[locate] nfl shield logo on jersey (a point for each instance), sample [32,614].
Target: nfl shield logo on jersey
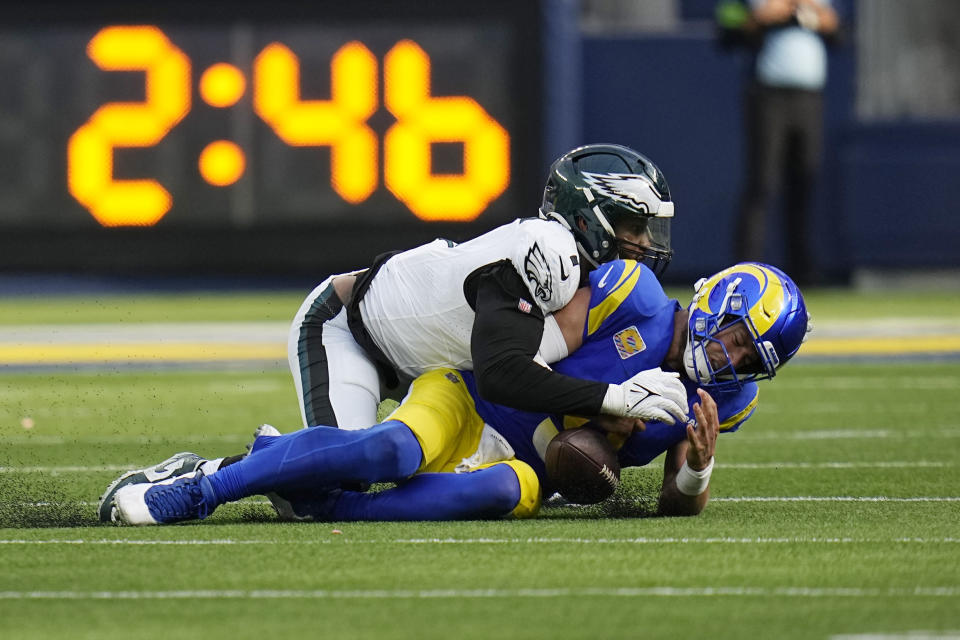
[629,343]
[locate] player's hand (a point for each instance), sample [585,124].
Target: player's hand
[620,425]
[653,394]
[702,439]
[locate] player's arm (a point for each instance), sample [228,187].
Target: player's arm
[506,336]
[818,16]
[688,464]
[772,13]
[507,332]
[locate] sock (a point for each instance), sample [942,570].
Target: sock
[322,457]
[488,493]
[211,466]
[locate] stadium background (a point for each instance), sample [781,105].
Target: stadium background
[833,513]
[552,73]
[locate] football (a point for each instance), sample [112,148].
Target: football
[582,465]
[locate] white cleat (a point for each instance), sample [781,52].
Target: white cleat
[173,467]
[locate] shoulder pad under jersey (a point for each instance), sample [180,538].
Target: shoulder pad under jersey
[545,255]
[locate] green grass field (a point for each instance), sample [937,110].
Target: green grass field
[835,512]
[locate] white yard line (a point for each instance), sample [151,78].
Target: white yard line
[836,499]
[901,635]
[904,464]
[850,434]
[340,539]
[438,594]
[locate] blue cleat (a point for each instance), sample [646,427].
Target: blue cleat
[173,467]
[189,497]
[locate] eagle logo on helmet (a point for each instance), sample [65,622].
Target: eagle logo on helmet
[632,189]
[537,270]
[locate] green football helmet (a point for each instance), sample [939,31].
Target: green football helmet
[593,188]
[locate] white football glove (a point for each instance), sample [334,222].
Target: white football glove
[653,394]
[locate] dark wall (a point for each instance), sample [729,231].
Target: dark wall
[886,196]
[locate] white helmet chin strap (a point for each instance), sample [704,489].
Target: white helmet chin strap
[696,367]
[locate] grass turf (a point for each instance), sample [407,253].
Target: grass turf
[834,511]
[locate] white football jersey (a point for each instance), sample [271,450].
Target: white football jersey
[415,309]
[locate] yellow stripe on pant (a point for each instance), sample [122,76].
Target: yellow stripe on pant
[440,411]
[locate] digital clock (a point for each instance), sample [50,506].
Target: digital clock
[136,129]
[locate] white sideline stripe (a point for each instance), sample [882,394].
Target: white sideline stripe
[847,434]
[470,541]
[836,499]
[904,635]
[830,465]
[436,594]
[671,540]
[727,465]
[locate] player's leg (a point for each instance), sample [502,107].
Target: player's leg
[509,488]
[440,412]
[337,384]
[435,423]
[316,458]
[441,425]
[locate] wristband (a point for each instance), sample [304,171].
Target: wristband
[614,401]
[693,483]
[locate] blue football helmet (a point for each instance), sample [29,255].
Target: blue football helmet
[762,298]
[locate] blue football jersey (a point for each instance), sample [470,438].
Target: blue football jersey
[629,329]
[629,325]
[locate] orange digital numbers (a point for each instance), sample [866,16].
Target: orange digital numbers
[341,123]
[423,119]
[128,124]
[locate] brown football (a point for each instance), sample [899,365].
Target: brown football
[582,465]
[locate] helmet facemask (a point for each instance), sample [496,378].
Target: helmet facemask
[705,329]
[654,250]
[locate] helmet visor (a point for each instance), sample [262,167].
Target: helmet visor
[647,242]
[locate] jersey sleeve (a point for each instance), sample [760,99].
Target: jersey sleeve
[545,255]
[506,335]
[735,408]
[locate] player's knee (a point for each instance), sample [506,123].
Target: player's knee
[528,505]
[515,492]
[391,450]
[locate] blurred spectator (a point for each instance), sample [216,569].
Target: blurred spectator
[783,116]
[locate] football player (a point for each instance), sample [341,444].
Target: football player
[485,304]
[457,456]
